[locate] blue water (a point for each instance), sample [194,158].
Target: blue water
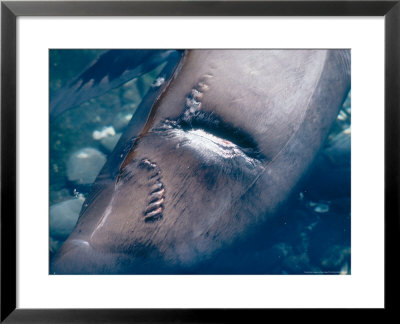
[311,235]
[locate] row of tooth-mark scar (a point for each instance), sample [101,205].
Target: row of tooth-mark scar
[193,100]
[155,206]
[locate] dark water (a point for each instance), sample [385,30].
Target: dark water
[311,234]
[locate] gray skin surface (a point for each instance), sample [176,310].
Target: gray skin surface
[222,150]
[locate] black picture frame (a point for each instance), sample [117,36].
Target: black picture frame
[10,10]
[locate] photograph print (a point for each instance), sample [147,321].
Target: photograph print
[192,162]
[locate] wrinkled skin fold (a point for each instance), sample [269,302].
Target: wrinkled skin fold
[220,152]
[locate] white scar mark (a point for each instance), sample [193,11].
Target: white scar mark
[207,76]
[103,219]
[193,100]
[206,143]
[80,243]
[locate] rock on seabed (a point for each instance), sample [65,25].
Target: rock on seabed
[63,217]
[84,165]
[109,142]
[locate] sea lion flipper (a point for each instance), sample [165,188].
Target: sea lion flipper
[107,72]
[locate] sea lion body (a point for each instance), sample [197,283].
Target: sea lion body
[223,148]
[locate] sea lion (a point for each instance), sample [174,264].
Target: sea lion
[219,153]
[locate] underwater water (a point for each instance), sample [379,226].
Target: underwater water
[312,233]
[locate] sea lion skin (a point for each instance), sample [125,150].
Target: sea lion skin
[225,146]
